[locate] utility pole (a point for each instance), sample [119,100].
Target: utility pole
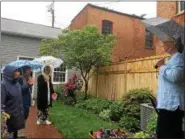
[52,11]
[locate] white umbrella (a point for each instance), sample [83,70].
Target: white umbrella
[50,61]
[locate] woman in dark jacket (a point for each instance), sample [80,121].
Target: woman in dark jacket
[11,99]
[26,82]
[44,95]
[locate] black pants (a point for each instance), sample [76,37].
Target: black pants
[15,134]
[26,112]
[169,124]
[42,115]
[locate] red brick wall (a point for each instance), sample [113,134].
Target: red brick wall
[166,9]
[80,21]
[159,50]
[170,10]
[130,33]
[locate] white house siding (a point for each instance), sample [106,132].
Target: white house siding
[14,46]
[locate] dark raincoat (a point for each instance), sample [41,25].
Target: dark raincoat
[11,100]
[42,93]
[26,96]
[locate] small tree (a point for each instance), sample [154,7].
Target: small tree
[85,49]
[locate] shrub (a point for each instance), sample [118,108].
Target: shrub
[94,105]
[103,104]
[152,124]
[59,90]
[105,114]
[133,99]
[116,111]
[129,123]
[81,104]
[80,96]
[68,100]
[141,135]
[131,107]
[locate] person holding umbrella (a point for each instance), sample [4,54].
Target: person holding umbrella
[26,82]
[11,99]
[171,79]
[171,89]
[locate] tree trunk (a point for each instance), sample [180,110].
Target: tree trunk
[86,88]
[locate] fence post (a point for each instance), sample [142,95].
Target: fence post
[125,73]
[97,82]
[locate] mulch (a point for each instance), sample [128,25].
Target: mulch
[33,130]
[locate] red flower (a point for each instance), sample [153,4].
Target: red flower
[70,83]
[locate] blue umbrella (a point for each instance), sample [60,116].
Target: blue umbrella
[34,65]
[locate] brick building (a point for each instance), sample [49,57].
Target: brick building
[170,10]
[132,40]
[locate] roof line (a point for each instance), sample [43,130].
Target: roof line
[26,35]
[29,23]
[108,10]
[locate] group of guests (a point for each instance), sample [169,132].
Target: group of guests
[16,93]
[16,89]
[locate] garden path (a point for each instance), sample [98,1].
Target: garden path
[39,131]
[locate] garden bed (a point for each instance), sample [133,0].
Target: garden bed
[124,114]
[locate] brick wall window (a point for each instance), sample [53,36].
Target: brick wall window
[107,27]
[181,5]
[148,40]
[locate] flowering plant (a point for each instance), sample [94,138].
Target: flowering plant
[74,83]
[71,83]
[4,118]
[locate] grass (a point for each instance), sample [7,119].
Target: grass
[74,122]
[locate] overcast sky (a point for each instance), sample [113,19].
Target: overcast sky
[36,12]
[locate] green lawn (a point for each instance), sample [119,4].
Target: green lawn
[76,123]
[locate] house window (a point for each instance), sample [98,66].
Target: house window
[181,5]
[148,39]
[59,74]
[107,27]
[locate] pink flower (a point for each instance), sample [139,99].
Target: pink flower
[54,96]
[70,83]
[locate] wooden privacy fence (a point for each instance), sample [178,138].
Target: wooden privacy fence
[113,81]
